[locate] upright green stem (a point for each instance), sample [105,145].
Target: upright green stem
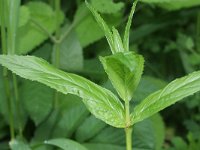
[128,132]
[9,106]
[198,32]
[5,71]
[13,16]
[16,93]
[57,9]
[12,25]
[128,129]
[57,46]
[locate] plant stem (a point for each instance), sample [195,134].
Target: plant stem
[57,47]
[9,106]
[60,38]
[53,39]
[5,71]
[16,93]
[128,129]
[14,7]
[198,32]
[128,132]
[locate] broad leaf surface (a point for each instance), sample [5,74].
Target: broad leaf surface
[37,104]
[108,136]
[159,130]
[103,6]
[101,102]
[147,85]
[99,146]
[42,14]
[174,4]
[124,70]
[24,15]
[65,144]
[82,30]
[173,92]
[84,133]
[103,26]
[71,56]
[72,115]
[83,33]
[144,136]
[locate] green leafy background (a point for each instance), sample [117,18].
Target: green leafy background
[166,33]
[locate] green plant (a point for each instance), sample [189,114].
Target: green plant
[124,69]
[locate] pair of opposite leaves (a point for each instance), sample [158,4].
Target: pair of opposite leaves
[124,69]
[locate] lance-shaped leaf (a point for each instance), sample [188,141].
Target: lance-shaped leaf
[103,26]
[117,41]
[173,92]
[124,70]
[101,102]
[128,26]
[65,144]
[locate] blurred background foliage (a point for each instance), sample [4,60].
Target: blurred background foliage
[165,32]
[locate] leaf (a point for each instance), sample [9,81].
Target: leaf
[144,135]
[128,26]
[147,85]
[110,135]
[71,56]
[103,26]
[65,144]
[71,116]
[103,6]
[124,70]
[4,105]
[98,146]
[83,33]
[62,121]
[19,145]
[24,15]
[37,104]
[179,143]
[101,102]
[117,41]
[159,130]
[173,92]
[43,15]
[82,30]
[45,130]
[84,133]
[174,4]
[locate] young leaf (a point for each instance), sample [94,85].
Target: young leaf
[128,26]
[124,70]
[101,102]
[103,26]
[117,41]
[173,92]
[65,144]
